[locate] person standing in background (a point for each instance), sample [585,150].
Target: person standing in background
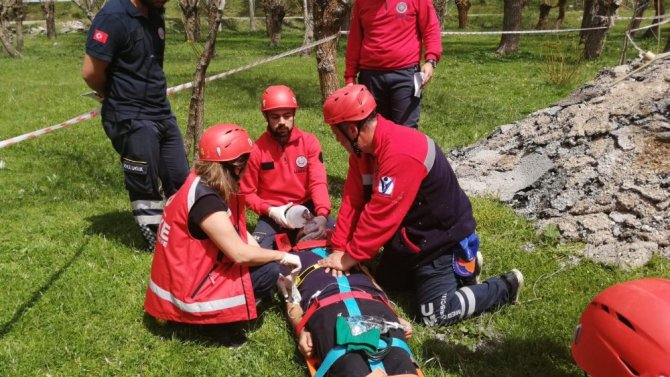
[384,46]
[123,64]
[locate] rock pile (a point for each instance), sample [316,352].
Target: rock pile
[596,165]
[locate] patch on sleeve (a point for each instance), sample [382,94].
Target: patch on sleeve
[100,36]
[386,185]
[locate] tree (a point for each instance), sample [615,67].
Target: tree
[655,31]
[19,16]
[252,15]
[545,9]
[6,14]
[440,10]
[597,13]
[275,10]
[90,7]
[329,15]
[638,11]
[509,43]
[49,10]
[196,108]
[190,10]
[307,6]
[463,7]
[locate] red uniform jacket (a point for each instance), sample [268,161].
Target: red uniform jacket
[404,196]
[389,34]
[191,280]
[276,175]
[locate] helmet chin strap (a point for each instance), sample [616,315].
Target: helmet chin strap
[353,142]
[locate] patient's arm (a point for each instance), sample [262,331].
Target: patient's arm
[294,313]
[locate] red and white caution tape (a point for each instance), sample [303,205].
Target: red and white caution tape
[30,135]
[172,90]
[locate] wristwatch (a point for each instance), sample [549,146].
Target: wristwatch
[432,62]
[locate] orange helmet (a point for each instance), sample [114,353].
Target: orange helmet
[625,331]
[349,104]
[278,97]
[224,142]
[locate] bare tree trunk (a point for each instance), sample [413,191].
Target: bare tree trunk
[49,10]
[597,13]
[463,7]
[6,7]
[252,15]
[275,10]
[329,15]
[562,6]
[440,10]
[90,7]
[655,31]
[19,16]
[196,110]
[545,8]
[307,6]
[509,43]
[640,7]
[191,13]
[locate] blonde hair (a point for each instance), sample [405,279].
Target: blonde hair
[214,175]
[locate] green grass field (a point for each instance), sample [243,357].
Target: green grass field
[74,275]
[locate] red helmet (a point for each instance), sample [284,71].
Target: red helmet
[224,142]
[349,104]
[625,331]
[278,97]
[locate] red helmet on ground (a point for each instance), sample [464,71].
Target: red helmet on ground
[278,97]
[224,142]
[349,104]
[625,331]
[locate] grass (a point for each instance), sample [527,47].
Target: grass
[74,276]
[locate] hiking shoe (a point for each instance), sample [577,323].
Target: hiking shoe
[514,281]
[474,279]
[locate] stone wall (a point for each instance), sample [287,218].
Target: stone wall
[596,165]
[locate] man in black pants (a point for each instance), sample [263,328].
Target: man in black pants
[124,66]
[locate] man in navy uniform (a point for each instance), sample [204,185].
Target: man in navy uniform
[123,64]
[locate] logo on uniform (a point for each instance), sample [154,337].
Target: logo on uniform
[301,161]
[401,7]
[161,33]
[100,36]
[386,185]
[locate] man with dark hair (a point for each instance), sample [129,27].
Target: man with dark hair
[123,64]
[285,170]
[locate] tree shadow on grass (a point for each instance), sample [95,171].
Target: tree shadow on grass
[5,328]
[119,226]
[513,357]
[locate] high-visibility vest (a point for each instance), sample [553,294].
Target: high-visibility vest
[191,280]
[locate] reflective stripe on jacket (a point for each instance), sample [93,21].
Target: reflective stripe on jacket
[191,280]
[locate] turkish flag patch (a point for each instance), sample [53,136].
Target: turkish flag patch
[100,36]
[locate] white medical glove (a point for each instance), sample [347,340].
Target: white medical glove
[292,261]
[278,214]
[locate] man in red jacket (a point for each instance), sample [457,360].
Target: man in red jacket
[384,47]
[285,169]
[402,194]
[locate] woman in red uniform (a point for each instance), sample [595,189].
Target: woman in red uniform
[206,268]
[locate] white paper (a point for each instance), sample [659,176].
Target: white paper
[418,82]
